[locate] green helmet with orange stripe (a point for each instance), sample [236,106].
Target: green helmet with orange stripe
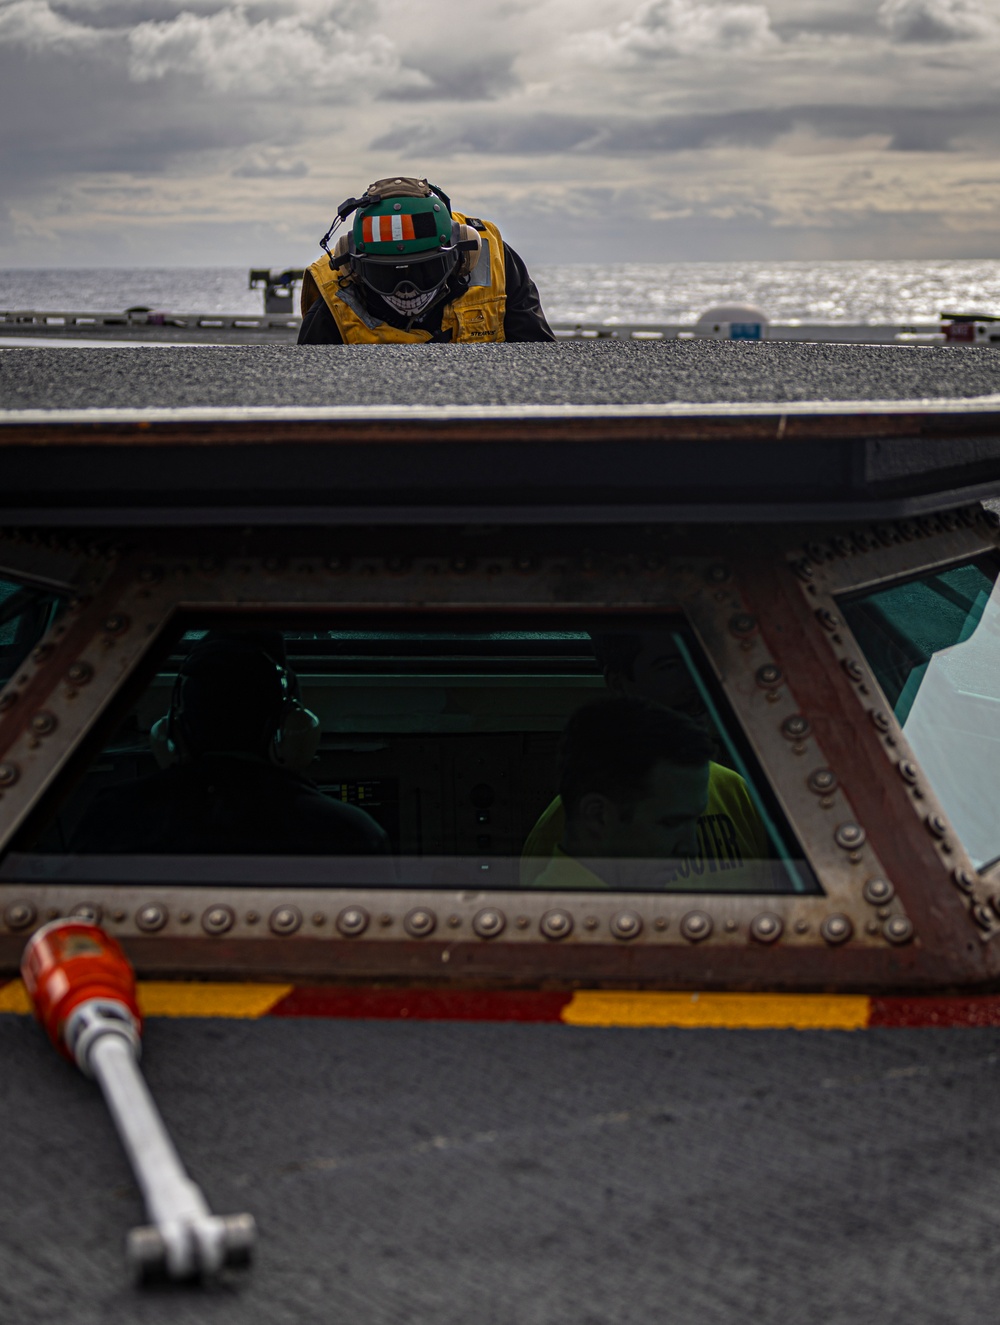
[404,244]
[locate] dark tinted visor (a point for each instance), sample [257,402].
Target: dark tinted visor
[385,277]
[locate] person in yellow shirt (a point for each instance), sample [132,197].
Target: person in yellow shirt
[633,780]
[730,834]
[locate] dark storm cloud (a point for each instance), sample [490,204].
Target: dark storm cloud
[112,15]
[932,22]
[906,129]
[457,76]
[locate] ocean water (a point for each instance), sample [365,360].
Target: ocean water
[624,292]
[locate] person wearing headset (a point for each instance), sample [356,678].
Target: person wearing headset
[234,750]
[410,271]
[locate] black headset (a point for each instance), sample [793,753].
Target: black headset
[291,736]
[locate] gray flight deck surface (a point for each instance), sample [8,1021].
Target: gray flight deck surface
[582,431]
[569,372]
[482,1174]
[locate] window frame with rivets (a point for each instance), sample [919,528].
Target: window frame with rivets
[753,613]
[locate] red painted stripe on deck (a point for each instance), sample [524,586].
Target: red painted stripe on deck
[928,1010]
[423,1004]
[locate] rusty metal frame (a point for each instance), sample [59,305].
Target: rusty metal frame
[890,917]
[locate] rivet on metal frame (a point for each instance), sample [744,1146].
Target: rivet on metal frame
[696,925]
[88,912]
[285,919]
[626,925]
[742,623]
[836,929]
[9,774]
[822,781]
[79,673]
[352,921]
[842,546]
[936,826]
[556,924]
[218,919]
[880,721]
[908,772]
[717,574]
[898,929]
[963,879]
[460,564]
[8,701]
[590,922]
[766,927]
[982,916]
[336,563]
[795,727]
[150,918]
[769,675]
[853,669]
[44,723]
[817,552]
[116,624]
[878,891]
[42,652]
[19,915]
[827,619]
[489,922]
[420,922]
[802,569]
[454,922]
[850,836]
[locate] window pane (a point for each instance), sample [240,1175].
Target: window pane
[25,615]
[433,758]
[934,644]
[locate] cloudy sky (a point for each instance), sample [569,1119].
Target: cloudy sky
[191,132]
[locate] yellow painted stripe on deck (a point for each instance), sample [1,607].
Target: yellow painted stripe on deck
[177,998]
[846,1012]
[14,998]
[204,998]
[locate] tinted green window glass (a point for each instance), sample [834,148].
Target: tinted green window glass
[25,615]
[441,748]
[934,645]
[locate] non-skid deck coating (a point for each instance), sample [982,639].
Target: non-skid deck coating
[578,373]
[475,1174]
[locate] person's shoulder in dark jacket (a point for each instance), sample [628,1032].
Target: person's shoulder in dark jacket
[229,804]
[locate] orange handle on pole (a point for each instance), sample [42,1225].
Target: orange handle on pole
[70,962]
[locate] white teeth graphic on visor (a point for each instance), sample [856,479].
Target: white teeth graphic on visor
[410,305]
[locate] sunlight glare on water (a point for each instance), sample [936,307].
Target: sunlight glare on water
[896,292]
